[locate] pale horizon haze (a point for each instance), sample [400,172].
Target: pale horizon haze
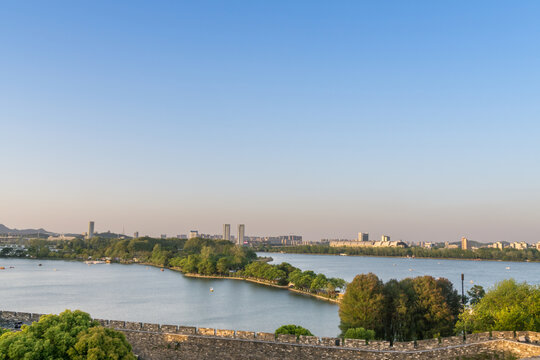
[419,120]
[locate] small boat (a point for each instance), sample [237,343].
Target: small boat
[508,268]
[211,289]
[472,282]
[162,269]
[38,264]
[2,268]
[410,269]
[343,254]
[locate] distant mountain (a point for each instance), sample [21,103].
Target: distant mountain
[4,230]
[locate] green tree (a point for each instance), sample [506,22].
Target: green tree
[293,330]
[363,304]
[476,293]
[433,315]
[99,343]
[57,336]
[222,266]
[508,306]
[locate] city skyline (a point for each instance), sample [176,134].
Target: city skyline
[419,120]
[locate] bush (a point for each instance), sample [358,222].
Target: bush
[359,333]
[293,330]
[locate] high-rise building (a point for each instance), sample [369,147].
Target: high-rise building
[464,243]
[193,234]
[363,236]
[227,232]
[241,232]
[90,230]
[136,234]
[385,238]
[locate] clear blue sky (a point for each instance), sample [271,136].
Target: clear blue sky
[417,119]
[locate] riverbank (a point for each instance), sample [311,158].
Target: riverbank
[256,281]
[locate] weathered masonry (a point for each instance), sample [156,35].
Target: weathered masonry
[160,342]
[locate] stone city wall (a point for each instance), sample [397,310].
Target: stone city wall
[156,342]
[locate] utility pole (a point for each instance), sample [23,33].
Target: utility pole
[463,306]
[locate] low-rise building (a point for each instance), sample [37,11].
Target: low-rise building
[355,243]
[519,245]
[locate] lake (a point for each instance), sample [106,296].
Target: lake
[484,273]
[146,294]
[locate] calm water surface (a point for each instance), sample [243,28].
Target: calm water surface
[485,273]
[141,293]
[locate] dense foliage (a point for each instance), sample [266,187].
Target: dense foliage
[507,254]
[286,274]
[410,309]
[508,306]
[359,333]
[70,335]
[293,330]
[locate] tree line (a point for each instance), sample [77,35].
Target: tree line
[425,308]
[507,254]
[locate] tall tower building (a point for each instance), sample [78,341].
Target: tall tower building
[241,231]
[363,236]
[136,234]
[385,238]
[464,243]
[227,232]
[90,230]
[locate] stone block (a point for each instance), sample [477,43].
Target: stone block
[378,345]
[225,333]
[407,345]
[187,330]
[35,317]
[245,335]
[478,337]
[117,324]
[150,327]
[523,339]
[206,331]
[308,340]
[172,329]
[286,338]
[266,336]
[329,341]
[354,343]
[9,315]
[502,335]
[451,340]
[427,344]
[132,325]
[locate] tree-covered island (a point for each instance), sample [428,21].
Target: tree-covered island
[201,257]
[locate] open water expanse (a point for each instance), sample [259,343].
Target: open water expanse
[485,273]
[142,293]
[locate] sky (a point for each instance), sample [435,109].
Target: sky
[415,119]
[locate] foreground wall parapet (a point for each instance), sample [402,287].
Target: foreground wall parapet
[155,341]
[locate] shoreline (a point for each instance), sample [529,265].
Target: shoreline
[400,257]
[261,282]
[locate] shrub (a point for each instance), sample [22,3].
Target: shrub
[293,330]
